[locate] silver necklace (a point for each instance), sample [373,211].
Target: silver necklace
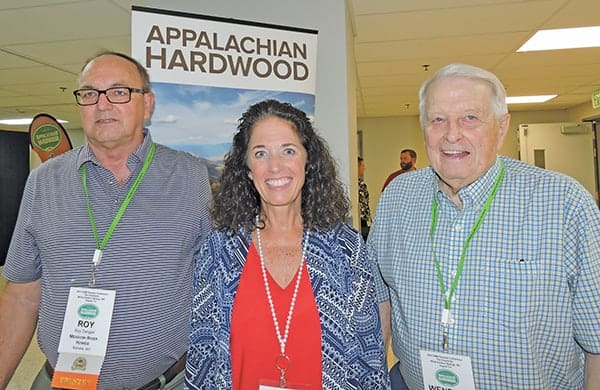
[282,361]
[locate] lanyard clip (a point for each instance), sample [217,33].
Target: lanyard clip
[447,318]
[97,257]
[445,343]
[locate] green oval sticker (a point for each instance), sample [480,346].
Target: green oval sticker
[446,377]
[88,311]
[47,137]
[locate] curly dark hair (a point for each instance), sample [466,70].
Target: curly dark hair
[237,202]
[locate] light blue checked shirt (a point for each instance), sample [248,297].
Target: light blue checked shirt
[528,302]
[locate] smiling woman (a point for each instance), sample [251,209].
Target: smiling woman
[276,160]
[267,279]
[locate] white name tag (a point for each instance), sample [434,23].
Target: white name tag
[443,370]
[84,338]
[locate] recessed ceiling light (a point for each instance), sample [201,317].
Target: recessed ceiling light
[528,99]
[22,121]
[563,38]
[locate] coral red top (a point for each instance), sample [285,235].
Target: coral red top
[254,344]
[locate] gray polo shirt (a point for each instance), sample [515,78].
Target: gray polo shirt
[148,260]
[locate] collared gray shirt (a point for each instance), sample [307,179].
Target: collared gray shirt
[148,260]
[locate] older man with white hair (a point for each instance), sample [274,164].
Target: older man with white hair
[495,284]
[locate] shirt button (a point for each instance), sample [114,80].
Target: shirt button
[458,228]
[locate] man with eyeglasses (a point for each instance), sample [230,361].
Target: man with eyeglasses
[101,256]
[495,285]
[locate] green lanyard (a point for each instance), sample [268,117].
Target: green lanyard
[101,245]
[434,216]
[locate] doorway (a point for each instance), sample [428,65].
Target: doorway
[568,148]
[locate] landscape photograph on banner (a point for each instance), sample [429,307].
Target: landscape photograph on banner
[206,71]
[202,120]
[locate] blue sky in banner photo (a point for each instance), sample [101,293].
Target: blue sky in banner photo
[201,120]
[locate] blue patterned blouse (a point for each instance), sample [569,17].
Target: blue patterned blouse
[352,348]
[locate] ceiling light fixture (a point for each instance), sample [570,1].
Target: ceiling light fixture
[563,38]
[528,99]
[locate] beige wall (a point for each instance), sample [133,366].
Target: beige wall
[385,137]
[511,143]
[583,111]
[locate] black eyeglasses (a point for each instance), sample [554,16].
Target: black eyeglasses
[115,95]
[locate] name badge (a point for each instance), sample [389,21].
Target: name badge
[443,370]
[84,338]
